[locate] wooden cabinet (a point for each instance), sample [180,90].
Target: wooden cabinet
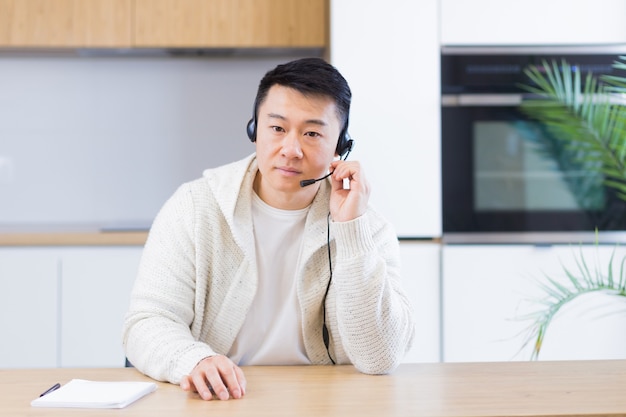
[163,23]
[230,23]
[65,23]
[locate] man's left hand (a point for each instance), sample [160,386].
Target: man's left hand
[346,205]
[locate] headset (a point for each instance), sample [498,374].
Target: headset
[344,144]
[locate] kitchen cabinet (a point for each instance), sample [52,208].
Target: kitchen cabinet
[532,22]
[64,307]
[230,23]
[97,283]
[389,54]
[163,23]
[65,23]
[420,273]
[488,289]
[29,305]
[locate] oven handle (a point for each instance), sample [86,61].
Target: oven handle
[469,100]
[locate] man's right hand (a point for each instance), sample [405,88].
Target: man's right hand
[217,373]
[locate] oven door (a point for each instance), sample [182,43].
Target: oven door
[502,172]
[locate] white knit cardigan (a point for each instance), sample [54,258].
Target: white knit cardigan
[198,276]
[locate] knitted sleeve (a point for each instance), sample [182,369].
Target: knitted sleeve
[156,333]
[374,318]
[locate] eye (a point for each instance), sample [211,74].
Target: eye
[312,134]
[277,129]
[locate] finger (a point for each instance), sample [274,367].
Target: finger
[229,377]
[199,381]
[242,380]
[336,184]
[186,384]
[338,177]
[353,172]
[215,381]
[346,170]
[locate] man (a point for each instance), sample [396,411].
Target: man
[247,266]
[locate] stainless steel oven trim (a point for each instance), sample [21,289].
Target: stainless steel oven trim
[505,100]
[460,100]
[541,238]
[618,48]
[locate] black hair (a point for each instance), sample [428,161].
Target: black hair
[311,77]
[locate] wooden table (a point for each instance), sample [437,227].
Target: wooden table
[577,388]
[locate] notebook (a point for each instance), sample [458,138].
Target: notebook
[80,393]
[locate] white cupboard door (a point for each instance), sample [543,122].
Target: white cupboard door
[96,292]
[481,297]
[420,274]
[532,22]
[389,54]
[28,308]
[489,289]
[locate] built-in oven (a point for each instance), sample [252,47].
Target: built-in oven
[496,183]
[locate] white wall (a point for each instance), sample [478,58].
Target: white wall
[104,140]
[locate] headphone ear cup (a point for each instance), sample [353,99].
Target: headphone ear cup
[251,130]
[345,144]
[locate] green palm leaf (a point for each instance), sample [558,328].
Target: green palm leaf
[583,281]
[586,117]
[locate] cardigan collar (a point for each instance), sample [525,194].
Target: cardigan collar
[233,184]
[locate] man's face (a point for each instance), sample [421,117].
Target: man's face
[296,140]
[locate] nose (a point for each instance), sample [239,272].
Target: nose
[291,146]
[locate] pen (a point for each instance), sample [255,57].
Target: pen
[52,388]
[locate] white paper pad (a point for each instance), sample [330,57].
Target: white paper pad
[80,393]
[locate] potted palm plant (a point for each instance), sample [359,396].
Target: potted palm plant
[586,118]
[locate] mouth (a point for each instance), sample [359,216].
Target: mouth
[288,171]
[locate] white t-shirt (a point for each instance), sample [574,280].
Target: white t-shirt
[272,331]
